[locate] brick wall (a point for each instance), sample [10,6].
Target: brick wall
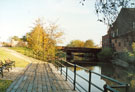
[122,34]
[124,42]
[105,41]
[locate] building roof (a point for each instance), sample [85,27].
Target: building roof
[124,21]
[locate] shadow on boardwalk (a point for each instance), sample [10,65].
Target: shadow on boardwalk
[40,77]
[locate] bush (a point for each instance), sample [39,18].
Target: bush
[125,56]
[60,54]
[121,55]
[106,54]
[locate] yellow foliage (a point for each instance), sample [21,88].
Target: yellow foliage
[133,83]
[43,40]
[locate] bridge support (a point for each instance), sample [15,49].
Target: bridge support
[95,55]
[69,56]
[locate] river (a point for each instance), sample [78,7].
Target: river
[118,73]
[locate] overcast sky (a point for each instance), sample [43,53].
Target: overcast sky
[77,21]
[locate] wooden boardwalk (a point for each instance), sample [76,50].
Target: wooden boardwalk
[40,77]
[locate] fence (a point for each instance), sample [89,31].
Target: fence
[106,87]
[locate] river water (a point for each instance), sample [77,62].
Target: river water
[118,73]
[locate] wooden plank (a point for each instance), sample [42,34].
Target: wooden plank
[44,79]
[40,77]
[61,80]
[47,79]
[16,80]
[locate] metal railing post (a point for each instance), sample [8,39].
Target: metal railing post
[61,70]
[105,89]
[127,86]
[66,72]
[2,72]
[89,89]
[74,76]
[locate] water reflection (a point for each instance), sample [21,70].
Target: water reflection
[120,74]
[95,79]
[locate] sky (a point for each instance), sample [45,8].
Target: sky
[77,22]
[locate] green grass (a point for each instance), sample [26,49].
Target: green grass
[26,51]
[23,50]
[4,84]
[18,61]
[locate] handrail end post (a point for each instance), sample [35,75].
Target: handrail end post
[89,89]
[61,69]
[74,76]
[127,87]
[66,72]
[105,88]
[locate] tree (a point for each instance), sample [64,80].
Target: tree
[108,10]
[35,38]
[76,43]
[89,44]
[16,38]
[133,47]
[106,54]
[24,38]
[42,40]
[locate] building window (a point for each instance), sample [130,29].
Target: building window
[117,32]
[119,44]
[133,25]
[112,45]
[113,34]
[115,40]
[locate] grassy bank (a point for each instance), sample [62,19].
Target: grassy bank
[23,50]
[19,62]
[26,51]
[4,84]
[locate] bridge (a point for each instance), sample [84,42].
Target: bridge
[70,50]
[79,49]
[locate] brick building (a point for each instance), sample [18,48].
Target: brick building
[122,34]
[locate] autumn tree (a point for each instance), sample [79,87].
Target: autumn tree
[16,38]
[89,44]
[54,35]
[35,38]
[24,38]
[76,43]
[43,39]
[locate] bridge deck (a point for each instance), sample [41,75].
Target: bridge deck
[40,77]
[79,49]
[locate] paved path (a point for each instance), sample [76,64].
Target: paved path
[40,77]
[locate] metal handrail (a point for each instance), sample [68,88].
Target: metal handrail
[106,87]
[111,79]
